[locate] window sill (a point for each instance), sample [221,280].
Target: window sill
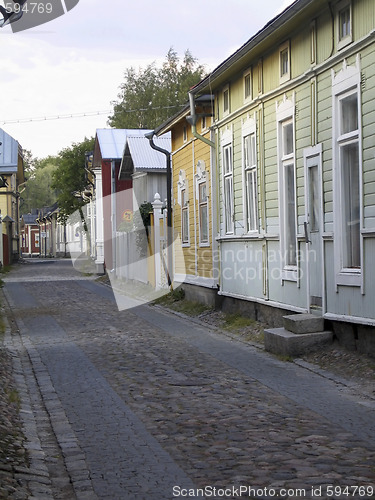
[350,278]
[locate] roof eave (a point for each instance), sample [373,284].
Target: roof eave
[277,22]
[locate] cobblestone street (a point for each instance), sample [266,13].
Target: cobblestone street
[143,404]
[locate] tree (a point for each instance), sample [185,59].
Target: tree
[38,191]
[69,179]
[151,95]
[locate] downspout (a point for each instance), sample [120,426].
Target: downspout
[192,119]
[114,214]
[150,137]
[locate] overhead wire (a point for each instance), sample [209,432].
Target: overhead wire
[83,114]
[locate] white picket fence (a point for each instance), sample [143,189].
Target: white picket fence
[131,264]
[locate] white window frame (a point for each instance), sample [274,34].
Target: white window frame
[201,179]
[249,168]
[226,109]
[227,179]
[285,116]
[343,41]
[183,201]
[284,76]
[345,83]
[247,97]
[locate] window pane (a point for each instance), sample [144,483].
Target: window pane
[228,197]
[284,62]
[288,142]
[251,200]
[203,221]
[185,226]
[314,211]
[202,192]
[227,159]
[351,206]
[344,19]
[247,82]
[349,114]
[184,218]
[290,217]
[226,100]
[203,213]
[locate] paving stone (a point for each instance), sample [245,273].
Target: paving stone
[140,401]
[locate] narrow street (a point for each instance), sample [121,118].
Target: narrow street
[142,404]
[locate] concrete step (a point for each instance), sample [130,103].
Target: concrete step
[303,323]
[286,343]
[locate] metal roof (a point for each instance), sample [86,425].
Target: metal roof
[29,219]
[8,153]
[143,156]
[112,141]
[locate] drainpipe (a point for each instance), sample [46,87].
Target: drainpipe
[150,137]
[192,120]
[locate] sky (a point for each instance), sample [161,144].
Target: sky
[75,64]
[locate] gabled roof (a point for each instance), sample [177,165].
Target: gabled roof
[112,141]
[144,157]
[139,156]
[29,219]
[8,153]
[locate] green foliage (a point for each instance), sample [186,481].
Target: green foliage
[145,211]
[151,95]
[69,179]
[38,191]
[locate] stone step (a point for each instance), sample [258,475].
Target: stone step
[286,343]
[303,323]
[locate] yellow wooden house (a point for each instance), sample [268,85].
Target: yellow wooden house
[193,195]
[11,176]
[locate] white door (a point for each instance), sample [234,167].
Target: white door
[314,227]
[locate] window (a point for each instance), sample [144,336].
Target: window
[347,158]
[203,212]
[247,86]
[250,175]
[226,100]
[344,23]
[202,198]
[284,57]
[228,188]
[348,145]
[313,42]
[183,201]
[287,188]
[289,201]
[184,217]
[204,123]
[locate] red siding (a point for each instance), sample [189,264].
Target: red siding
[123,202]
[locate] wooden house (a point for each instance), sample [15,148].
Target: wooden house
[193,201]
[293,127]
[11,177]
[29,235]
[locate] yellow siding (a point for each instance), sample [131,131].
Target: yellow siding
[194,260]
